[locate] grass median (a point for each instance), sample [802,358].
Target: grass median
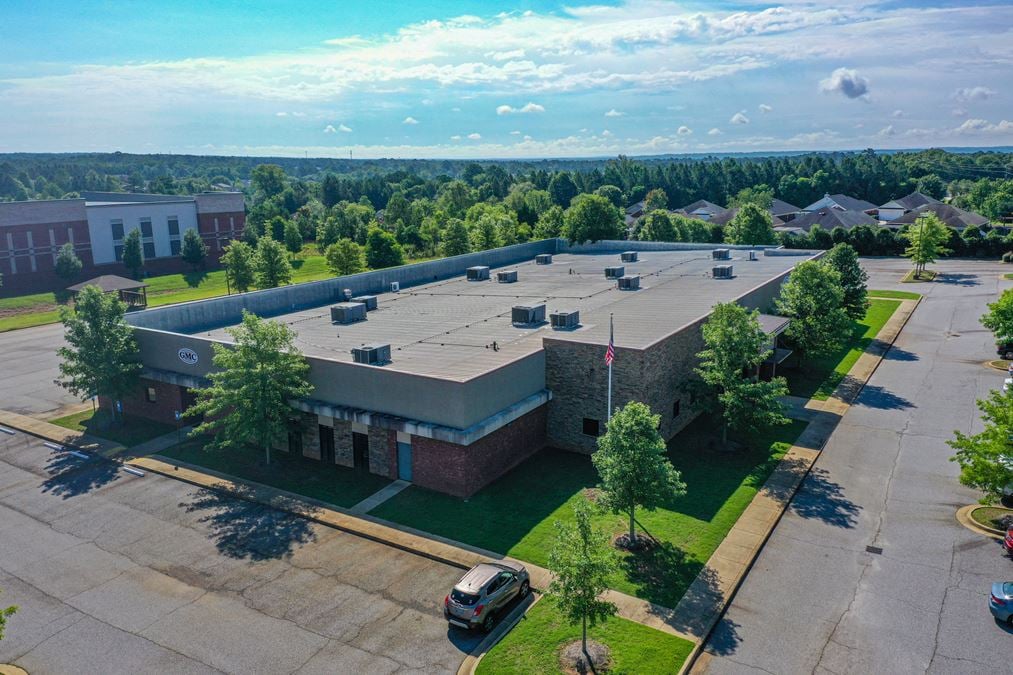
[128,431]
[533,645]
[895,295]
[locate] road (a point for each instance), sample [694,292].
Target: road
[29,366]
[817,600]
[121,574]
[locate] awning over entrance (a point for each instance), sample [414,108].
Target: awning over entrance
[130,291]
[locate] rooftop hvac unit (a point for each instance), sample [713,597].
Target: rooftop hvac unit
[371,355]
[543,259]
[614,272]
[347,294]
[527,314]
[348,312]
[395,287]
[562,319]
[480,273]
[628,256]
[506,276]
[630,282]
[368,300]
[721,254]
[752,255]
[722,271]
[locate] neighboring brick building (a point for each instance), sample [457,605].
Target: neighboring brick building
[471,389]
[32,233]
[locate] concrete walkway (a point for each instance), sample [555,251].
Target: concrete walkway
[57,434]
[379,497]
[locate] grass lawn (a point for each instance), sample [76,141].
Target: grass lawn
[533,646]
[330,483]
[1008,276]
[896,295]
[128,432]
[991,516]
[818,377]
[912,278]
[515,515]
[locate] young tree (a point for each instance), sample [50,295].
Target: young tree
[999,318]
[275,228]
[656,199]
[592,218]
[68,265]
[632,462]
[455,238]
[761,195]
[101,357]
[293,237]
[562,189]
[844,259]
[345,257]
[814,301]
[382,250]
[133,257]
[485,234]
[248,400]
[194,250]
[751,226]
[613,194]
[550,223]
[735,347]
[658,226]
[925,241]
[240,269]
[582,562]
[986,459]
[5,614]
[268,179]
[271,265]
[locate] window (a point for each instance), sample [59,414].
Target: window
[295,441]
[118,250]
[173,226]
[151,395]
[591,427]
[149,250]
[117,227]
[146,228]
[675,409]
[175,246]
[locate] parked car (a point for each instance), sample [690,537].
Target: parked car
[483,592]
[1007,543]
[1001,601]
[1004,350]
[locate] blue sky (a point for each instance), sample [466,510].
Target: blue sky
[520,79]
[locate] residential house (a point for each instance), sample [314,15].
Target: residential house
[950,215]
[841,203]
[895,208]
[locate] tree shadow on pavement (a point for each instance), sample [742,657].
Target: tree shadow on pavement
[725,639]
[896,353]
[70,476]
[822,499]
[247,530]
[958,279]
[876,396]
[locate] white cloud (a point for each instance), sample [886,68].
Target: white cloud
[455,110]
[715,132]
[739,118]
[281,114]
[527,138]
[684,131]
[959,112]
[980,126]
[897,114]
[507,55]
[966,94]
[524,109]
[298,114]
[764,108]
[515,133]
[614,113]
[606,133]
[329,129]
[475,137]
[410,120]
[887,131]
[455,137]
[848,82]
[344,129]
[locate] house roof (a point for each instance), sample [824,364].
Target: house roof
[724,217]
[772,324]
[703,205]
[633,209]
[108,283]
[950,215]
[846,202]
[910,202]
[828,218]
[779,207]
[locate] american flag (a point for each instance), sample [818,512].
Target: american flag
[610,353]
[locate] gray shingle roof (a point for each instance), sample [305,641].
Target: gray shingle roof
[950,215]
[909,202]
[846,202]
[828,218]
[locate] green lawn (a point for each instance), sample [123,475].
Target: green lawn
[896,295]
[991,516]
[128,432]
[912,278]
[533,646]
[330,483]
[515,515]
[1008,276]
[818,377]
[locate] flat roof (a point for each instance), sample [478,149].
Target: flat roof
[448,329]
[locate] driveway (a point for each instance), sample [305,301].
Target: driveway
[30,365]
[115,573]
[868,571]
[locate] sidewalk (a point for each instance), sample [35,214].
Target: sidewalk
[57,434]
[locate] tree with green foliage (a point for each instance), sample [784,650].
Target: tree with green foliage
[133,256]
[751,226]
[632,462]
[240,268]
[345,257]
[854,280]
[582,562]
[658,226]
[6,613]
[251,387]
[986,458]
[293,237]
[735,346]
[275,228]
[329,231]
[550,223]
[484,234]
[656,199]
[101,357]
[592,218]
[613,194]
[562,189]
[382,249]
[455,238]
[268,180]
[68,265]
[761,195]
[931,185]
[814,301]
[271,264]
[194,251]
[999,318]
[925,241]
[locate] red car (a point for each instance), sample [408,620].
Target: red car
[1007,543]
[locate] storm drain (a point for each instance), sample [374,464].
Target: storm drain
[874,549]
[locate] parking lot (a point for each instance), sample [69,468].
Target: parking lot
[30,365]
[116,573]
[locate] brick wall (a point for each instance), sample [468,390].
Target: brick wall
[168,399]
[463,470]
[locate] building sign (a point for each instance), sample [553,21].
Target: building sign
[188,356]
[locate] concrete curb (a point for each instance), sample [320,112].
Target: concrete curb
[964,518]
[11,669]
[470,663]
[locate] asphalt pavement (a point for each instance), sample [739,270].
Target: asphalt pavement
[868,571]
[28,367]
[115,573]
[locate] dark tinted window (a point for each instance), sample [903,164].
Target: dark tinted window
[119,252]
[173,225]
[174,245]
[145,227]
[675,409]
[117,227]
[149,250]
[462,598]
[590,426]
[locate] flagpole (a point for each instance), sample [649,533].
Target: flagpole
[608,416]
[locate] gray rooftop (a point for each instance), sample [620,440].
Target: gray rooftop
[446,329]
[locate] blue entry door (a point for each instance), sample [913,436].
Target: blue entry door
[404,461]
